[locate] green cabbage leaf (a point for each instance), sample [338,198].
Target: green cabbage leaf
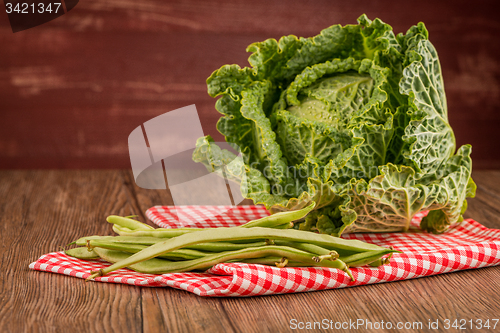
[354,119]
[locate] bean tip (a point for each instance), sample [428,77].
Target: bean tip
[334,255]
[348,272]
[282,263]
[94,274]
[270,242]
[89,247]
[110,218]
[387,260]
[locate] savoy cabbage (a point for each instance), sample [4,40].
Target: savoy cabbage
[354,119]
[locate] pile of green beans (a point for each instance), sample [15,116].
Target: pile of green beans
[268,241]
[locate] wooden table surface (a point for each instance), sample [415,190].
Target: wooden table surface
[73,89]
[42,210]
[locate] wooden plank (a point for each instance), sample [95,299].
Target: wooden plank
[485,207]
[488,185]
[173,310]
[73,89]
[146,198]
[40,211]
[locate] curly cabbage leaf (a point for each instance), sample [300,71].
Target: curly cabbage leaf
[354,119]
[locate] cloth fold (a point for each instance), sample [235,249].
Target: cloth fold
[465,246]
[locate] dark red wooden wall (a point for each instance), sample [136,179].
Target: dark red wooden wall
[73,89]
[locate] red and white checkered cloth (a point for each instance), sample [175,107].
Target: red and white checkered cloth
[204,216]
[465,246]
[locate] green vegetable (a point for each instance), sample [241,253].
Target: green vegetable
[236,233]
[262,241]
[82,253]
[203,248]
[354,119]
[160,266]
[147,241]
[127,222]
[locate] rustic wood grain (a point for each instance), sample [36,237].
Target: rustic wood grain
[485,207]
[173,310]
[73,89]
[41,210]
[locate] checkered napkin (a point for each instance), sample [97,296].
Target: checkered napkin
[465,246]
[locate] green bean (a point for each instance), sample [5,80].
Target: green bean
[278,219]
[159,232]
[365,258]
[128,223]
[121,242]
[311,248]
[162,234]
[230,234]
[240,241]
[224,246]
[288,225]
[81,253]
[129,227]
[156,267]
[270,261]
[319,250]
[83,241]
[169,233]
[211,247]
[134,248]
[116,256]
[119,230]
[120,239]
[381,261]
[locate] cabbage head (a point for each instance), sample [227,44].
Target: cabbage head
[354,119]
